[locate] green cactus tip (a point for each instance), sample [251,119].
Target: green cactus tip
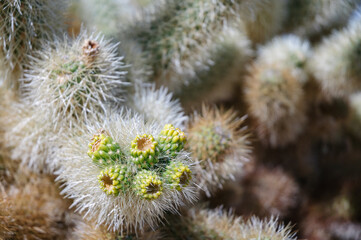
[171,139]
[144,151]
[148,185]
[177,175]
[114,179]
[103,150]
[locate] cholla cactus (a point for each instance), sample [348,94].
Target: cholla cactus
[33,209]
[276,102]
[219,224]
[72,80]
[125,197]
[219,145]
[335,61]
[158,105]
[21,28]
[288,53]
[89,231]
[179,41]
[229,54]
[29,133]
[263,19]
[273,192]
[312,17]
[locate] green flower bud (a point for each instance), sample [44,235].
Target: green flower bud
[171,140]
[177,175]
[148,185]
[114,179]
[103,150]
[144,151]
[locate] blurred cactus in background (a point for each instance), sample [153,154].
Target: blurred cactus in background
[166,119]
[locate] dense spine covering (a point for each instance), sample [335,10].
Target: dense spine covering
[276,102]
[309,18]
[22,26]
[219,146]
[335,62]
[270,192]
[178,42]
[288,53]
[83,76]
[125,196]
[217,224]
[157,105]
[263,19]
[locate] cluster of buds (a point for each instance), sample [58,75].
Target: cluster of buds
[140,170]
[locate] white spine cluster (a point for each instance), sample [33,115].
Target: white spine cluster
[127,210]
[335,62]
[311,17]
[73,80]
[23,23]
[288,53]
[158,105]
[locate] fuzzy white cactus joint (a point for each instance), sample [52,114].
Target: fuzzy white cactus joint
[201,223]
[178,43]
[335,62]
[75,79]
[29,133]
[219,146]
[229,54]
[312,17]
[263,19]
[21,29]
[276,103]
[289,53]
[125,194]
[158,105]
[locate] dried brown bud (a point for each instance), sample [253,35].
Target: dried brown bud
[90,51]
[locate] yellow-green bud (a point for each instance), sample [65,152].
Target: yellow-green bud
[171,140]
[177,175]
[144,151]
[114,179]
[148,185]
[103,150]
